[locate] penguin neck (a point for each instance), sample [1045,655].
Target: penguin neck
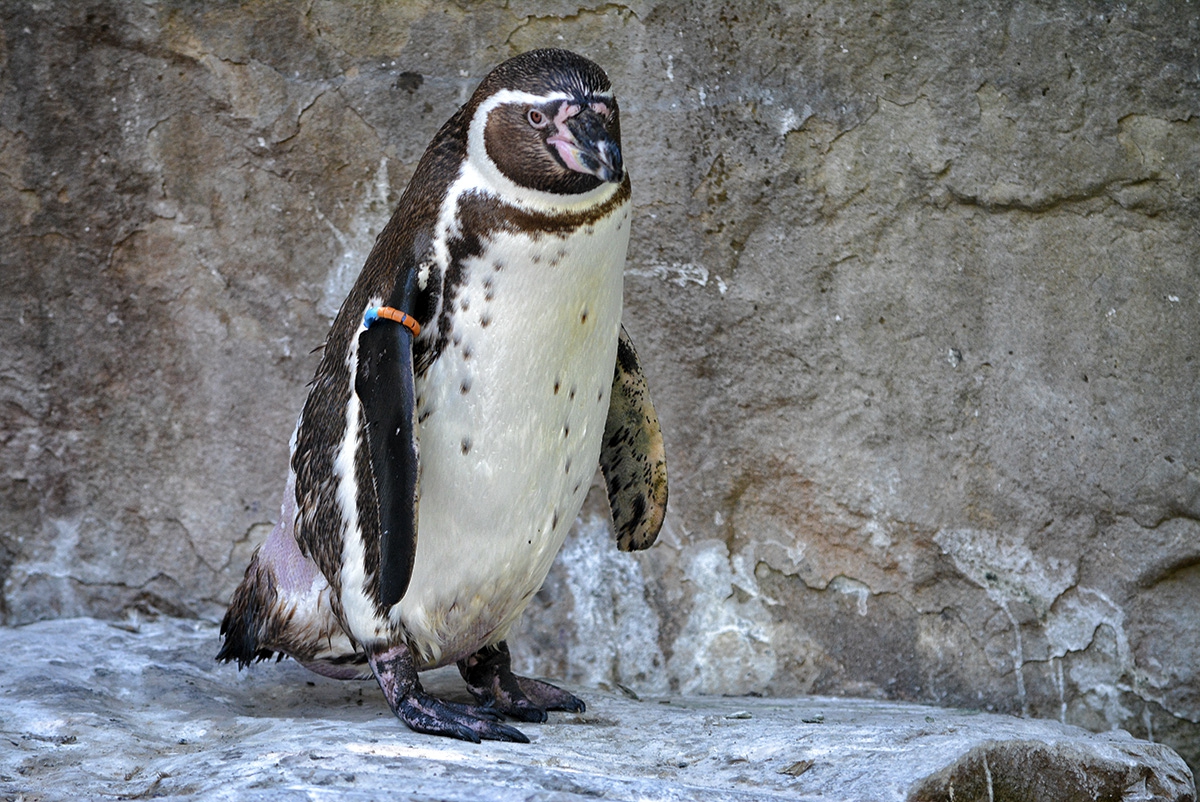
[475,190]
[479,174]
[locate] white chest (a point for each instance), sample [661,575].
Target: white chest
[512,414]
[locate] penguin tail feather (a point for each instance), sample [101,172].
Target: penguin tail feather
[246,623]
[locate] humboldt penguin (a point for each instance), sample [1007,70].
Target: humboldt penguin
[471,382]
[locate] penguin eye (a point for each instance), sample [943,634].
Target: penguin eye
[536,118]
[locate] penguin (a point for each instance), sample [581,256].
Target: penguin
[473,379]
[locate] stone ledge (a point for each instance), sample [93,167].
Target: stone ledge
[93,709]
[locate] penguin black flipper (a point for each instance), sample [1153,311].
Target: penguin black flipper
[632,455]
[385,387]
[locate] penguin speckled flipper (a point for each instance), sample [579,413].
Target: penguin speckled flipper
[385,386]
[633,457]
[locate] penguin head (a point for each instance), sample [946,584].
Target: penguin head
[547,121]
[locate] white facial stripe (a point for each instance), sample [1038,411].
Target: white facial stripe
[488,179]
[513,96]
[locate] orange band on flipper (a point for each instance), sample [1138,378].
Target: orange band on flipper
[390,313]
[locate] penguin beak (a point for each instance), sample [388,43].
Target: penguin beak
[585,146]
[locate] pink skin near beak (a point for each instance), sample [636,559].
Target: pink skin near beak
[564,141]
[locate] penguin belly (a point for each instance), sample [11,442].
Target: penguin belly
[511,417]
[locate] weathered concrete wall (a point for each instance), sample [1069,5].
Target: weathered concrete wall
[917,288]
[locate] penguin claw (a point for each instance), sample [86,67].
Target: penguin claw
[485,712]
[550,697]
[396,673]
[433,716]
[523,710]
[489,678]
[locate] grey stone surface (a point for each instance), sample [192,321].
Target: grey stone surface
[124,710]
[915,285]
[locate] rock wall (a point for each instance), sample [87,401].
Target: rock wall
[916,286]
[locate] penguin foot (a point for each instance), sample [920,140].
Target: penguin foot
[489,677]
[396,673]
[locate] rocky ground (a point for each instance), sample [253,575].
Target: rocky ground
[99,710]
